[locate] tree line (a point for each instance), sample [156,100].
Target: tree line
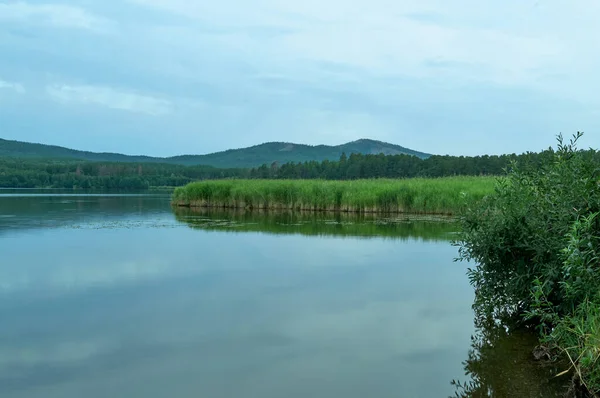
[28,173]
[357,166]
[36,173]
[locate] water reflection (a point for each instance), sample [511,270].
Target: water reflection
[49,209]
[291,305]
[500,364]
[429,228]
[186,312]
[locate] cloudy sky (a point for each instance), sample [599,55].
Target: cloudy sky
[164,77]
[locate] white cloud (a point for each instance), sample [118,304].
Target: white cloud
[59,15]
[111,98]
[465,41]
[321,72]
[17,87]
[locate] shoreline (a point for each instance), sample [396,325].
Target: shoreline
[302,208]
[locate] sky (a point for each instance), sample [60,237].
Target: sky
[168,77]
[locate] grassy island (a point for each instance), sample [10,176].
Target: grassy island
[417,195]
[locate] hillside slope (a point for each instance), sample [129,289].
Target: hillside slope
[9,148]
[257,155]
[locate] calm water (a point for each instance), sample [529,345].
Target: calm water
[118,296]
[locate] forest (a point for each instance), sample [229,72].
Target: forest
[53,173]
[39,173]
[358,166]
[254,156]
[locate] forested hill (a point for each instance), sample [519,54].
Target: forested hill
[19,149]
[254,156]
[43,173]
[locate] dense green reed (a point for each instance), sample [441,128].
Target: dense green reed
[419,195]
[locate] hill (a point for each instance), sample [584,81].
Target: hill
[281,152]
[9,148]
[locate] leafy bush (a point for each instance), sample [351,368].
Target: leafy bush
[536,245]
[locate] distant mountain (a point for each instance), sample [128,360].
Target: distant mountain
[281,152]
[21,149]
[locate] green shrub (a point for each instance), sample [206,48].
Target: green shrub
[535,244]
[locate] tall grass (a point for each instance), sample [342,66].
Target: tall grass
[419,195]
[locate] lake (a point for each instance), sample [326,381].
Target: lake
[121,296]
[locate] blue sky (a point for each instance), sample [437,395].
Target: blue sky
[165,77]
